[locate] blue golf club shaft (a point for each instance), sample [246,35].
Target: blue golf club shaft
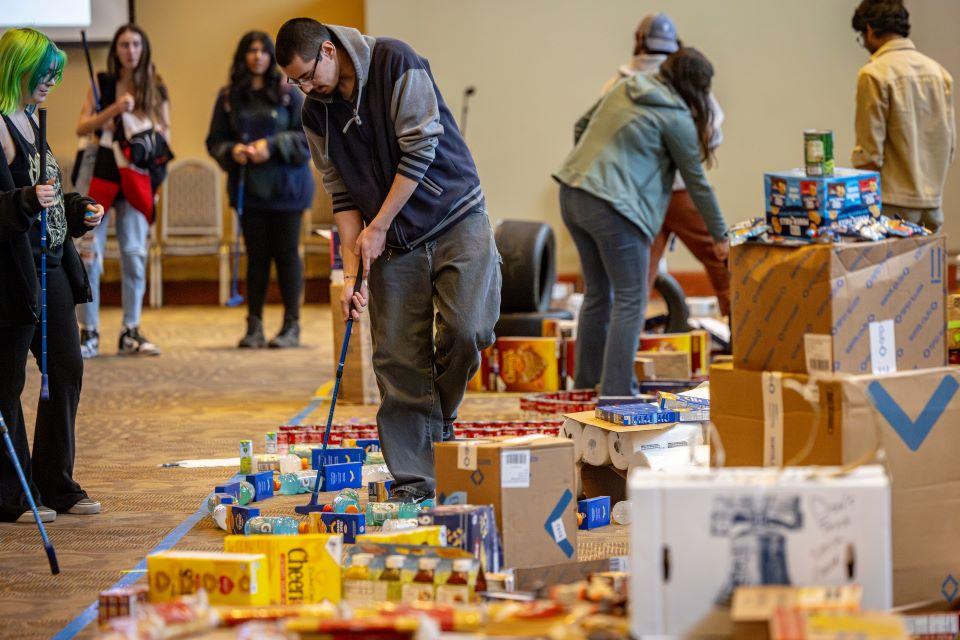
[42,150]
[235,297]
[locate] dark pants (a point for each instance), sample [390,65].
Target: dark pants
[50,470]
[422,377]
[684,220]
[614,257]
[273,235]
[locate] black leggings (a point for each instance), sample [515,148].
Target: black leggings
[50,469]
[273,235]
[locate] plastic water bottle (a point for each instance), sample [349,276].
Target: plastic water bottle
[289,484]
[621,512]
[307,480]
[344,499]
[247,491]
[276,525]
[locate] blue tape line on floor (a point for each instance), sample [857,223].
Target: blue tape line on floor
[89,614]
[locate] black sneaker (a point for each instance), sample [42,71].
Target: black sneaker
[89,343]
[254,338]
[288,337]
[402,497]
[134,343]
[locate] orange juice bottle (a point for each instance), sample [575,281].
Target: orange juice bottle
[456,590]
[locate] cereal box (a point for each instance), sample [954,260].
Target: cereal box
[228,578]
[302,569]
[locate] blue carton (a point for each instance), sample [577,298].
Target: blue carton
[348,475]
[471,528]
[629,415]
[349,525]
[336,456]
[368,444]
[231,488]
[798,205]
[596,512]
[238,517]
[262,485]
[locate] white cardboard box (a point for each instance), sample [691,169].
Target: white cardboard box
[697,535]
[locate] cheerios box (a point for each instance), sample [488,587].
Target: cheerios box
[240,579]
[302,569]
[798,204]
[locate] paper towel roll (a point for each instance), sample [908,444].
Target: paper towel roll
[677,459]
[624,447]
[574,431]
[596,450]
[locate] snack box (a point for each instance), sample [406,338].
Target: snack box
[228,578]
[798,205]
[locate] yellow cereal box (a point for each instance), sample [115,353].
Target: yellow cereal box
[303,569]
[228,578]
[434,536]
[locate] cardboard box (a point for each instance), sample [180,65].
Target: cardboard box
[868,307]
[798,205]
[913,416]
[528,364]
[349,525]
[663,365]
[696,343]
[359,384]
[241,579]
[302,569]
[529,480]
[473,528]
[695,536]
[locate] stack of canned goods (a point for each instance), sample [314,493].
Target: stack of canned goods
[559,402]
[313,434]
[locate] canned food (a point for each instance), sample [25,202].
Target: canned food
[818,152]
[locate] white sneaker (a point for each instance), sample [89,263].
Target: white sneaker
[85,507]
[132,342]
[46,515]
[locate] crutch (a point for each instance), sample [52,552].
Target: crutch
[12,453]
[312,505]
[42,147]
[235,297]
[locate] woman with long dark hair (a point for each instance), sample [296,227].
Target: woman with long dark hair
[615,188]
[256,135]
[30,67]
[132,96]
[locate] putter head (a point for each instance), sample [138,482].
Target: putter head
[52,557]
[235,300]
[313,505]
[310,507]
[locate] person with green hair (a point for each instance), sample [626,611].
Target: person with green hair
[30,66]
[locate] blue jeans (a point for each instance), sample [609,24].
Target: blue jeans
[614,257]
[133,232]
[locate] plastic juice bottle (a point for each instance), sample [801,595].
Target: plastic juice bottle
[344,499]
[392,575]
[277,525]
[247,491]
[357,585]
[289,484]
[456,590]
[246,457]
[422,588]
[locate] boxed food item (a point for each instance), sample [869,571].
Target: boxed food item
[529,480]
[472,528]
[359,384]
[698,535]
[120,602]
[763,418]
[433,536]
[662,365]
[953,321]
[798,205]
[528,364]
[302,569]
[696,343]
[228,578]
[869,307]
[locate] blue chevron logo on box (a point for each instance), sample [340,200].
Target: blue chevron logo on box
[554,524]
[913,432]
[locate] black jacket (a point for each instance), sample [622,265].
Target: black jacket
[282,183]
[19,276]
[397,122]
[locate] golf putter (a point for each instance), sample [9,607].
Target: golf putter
[312,505]
[235,298]
[12,453]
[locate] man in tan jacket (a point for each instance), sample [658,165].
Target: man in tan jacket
[905,122]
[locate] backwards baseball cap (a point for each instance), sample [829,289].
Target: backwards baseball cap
[659,33]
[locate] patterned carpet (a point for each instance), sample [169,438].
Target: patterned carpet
[197,400]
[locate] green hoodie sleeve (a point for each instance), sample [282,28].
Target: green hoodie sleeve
[680,136]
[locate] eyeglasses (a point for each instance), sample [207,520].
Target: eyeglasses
[860,38]
[299,82]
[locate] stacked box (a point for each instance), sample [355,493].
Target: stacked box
[302,569]
[695,343]
[798,205]
[359,384]
[473,528]
[233,579]
[629,415]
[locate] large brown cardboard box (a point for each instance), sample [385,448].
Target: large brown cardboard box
[529,480]
[358,385]
[909,420]
[844,298]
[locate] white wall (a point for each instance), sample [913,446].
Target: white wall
[781,66]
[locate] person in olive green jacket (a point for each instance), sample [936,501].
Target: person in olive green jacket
[616,185]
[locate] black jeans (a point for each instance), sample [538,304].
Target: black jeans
[273,235]
[50,470]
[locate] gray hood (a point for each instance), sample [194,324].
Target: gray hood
[360,49]
[653,91]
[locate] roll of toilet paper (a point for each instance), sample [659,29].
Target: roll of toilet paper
[578,479]
[574,431]
[596,450]
[624,447]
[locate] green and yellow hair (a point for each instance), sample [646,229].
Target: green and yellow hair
[26,58]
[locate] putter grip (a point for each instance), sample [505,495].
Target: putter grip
[359,281]
[42,146]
